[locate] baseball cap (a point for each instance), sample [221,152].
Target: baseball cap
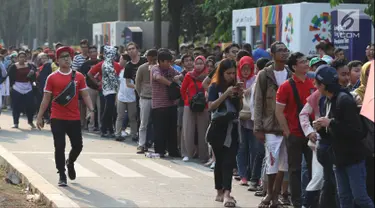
[65,49]
[316,60]
[326,75]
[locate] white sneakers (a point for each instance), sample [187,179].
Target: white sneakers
[185,159]
[124,134]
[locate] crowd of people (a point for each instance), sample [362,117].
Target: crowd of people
[283,124]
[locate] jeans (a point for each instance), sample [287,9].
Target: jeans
[305,179]
[165,128]
[328,194]
[73,129]
[107,117]
[22,103]
[351,186]
[250,156]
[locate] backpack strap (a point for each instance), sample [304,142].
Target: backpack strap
[296,95]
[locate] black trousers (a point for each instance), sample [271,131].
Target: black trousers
[296,147]
[328,194]
[225,161]
[108,114]
[22,103]
[59,129]
[165,129]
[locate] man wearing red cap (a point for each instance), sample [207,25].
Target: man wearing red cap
[62,86]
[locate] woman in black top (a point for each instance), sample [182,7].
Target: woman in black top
[21,77]
[224,101]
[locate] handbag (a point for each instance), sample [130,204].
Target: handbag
[198,101]
[67,95]
[173,91]
[245,113]
[225,114]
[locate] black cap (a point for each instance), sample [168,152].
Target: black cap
[326,75]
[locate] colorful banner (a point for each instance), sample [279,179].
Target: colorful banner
[269,15]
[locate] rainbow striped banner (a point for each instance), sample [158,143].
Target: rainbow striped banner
[269,15]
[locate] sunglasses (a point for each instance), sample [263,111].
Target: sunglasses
[65,57]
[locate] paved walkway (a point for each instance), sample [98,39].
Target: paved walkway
[110,174]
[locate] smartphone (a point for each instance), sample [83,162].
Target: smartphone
[240,84]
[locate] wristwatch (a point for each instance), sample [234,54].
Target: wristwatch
[94,111]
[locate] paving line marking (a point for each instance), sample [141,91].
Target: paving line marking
[117,168]
[83,153]
[57,197]
[195,167]
[169,172]
[81,171]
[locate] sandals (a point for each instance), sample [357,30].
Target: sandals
[260,193]
[229,202]
[277,205]
[264,204]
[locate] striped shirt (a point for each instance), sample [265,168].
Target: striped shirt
[78,61]
[159,91]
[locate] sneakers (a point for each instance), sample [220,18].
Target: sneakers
[212,165]
[185,159]
[243,182]
[15,126]
[120,138]
[141,150]
[62,180]
[124,134]
[32,125]
[71,170]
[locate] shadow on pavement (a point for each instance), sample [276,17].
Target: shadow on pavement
[91,197]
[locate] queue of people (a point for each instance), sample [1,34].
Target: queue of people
[285,125]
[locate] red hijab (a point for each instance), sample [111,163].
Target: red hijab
[195,73]
[243,61]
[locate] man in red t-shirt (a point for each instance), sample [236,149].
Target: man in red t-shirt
[65,119]
[287,113]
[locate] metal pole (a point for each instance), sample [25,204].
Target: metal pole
[121,12]
[157,23]
[51,15]
[37,22]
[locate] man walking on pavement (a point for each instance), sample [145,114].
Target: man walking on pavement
[62,85]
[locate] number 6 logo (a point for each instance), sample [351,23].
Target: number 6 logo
[347,18]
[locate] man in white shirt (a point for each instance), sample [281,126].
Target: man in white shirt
[126,102]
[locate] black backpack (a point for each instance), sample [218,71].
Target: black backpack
[198,101]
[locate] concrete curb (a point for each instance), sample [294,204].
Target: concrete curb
[49,194]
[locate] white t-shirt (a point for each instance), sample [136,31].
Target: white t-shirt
[280,76]
[125,94]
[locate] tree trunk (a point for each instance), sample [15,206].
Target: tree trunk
[174,10]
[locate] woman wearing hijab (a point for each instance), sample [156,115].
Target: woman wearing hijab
[191,91]
[359,93]
[249,146]
[108,70]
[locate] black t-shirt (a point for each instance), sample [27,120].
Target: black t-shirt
[131,69]
[85,68]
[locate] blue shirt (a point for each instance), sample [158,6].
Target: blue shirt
[260,53]
[177,68]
